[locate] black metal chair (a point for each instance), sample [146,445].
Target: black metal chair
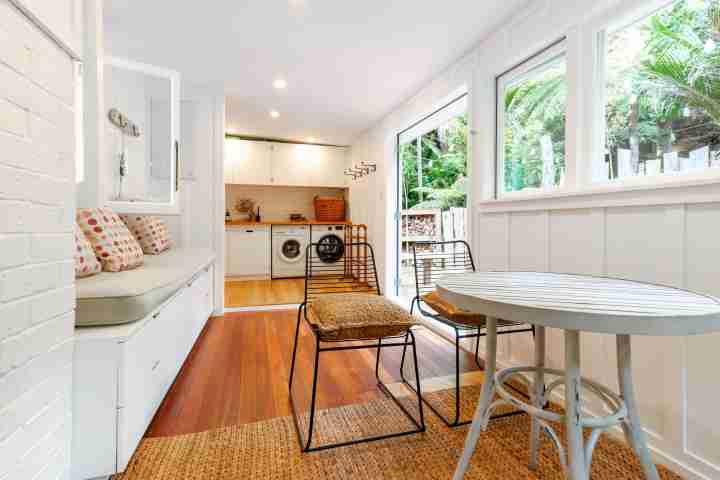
[340,282]
[433,260]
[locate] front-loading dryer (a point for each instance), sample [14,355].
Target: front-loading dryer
[289,244]
[328,248]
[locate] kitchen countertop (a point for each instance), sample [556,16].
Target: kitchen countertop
[248,223]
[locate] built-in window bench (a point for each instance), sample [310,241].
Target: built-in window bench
[122,372]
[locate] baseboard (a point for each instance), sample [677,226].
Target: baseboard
[262,308]
[246,278]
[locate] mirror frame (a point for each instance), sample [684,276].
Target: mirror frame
[160,208]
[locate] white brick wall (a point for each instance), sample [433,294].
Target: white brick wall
[37,198]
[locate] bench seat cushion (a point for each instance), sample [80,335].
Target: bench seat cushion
[114,298]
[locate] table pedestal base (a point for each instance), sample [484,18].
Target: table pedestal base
[576,462]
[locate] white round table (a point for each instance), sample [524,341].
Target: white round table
[575,303]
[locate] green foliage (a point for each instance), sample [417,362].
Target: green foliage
[665,95]
[444,167]
[534,108]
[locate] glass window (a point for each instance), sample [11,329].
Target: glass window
[662,93]
[532,104]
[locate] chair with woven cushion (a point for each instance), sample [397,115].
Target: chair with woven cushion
[345,310]
[433,260]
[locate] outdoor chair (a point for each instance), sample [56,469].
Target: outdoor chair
[432,261]
[345,310]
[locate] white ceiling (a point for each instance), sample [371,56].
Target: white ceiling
[347,63]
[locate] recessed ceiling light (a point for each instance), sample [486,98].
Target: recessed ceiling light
[280,84]
[274,113]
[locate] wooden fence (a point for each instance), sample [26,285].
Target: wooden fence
[431,225]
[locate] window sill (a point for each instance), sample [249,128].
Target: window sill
[642,191]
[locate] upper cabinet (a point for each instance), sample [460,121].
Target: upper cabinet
[247,162]
[142,130]
[250,162]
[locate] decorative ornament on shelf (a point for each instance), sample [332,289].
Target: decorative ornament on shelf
[246,206]
[363,170]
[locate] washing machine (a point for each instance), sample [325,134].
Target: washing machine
[328,250]
[289,245]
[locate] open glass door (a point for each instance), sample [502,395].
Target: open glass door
[432,187]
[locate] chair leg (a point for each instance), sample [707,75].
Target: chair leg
[294,354]
[314,395]
[377,359]
[477,350]
[457,379]
[417,377]
[402,358]
[412,305]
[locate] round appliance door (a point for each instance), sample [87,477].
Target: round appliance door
[330,248]
[291,250]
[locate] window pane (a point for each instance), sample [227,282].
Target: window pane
[533,126]
[662,107]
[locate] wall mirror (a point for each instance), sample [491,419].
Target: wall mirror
[142,137]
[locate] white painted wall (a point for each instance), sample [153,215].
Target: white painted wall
[201,221]
[664,235]
[37,207]
[145,100]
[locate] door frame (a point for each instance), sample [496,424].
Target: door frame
[398,181]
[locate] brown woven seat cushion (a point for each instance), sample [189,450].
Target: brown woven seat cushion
[347,316]
[457,314]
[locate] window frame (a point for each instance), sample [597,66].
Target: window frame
[600,29]
[553,51]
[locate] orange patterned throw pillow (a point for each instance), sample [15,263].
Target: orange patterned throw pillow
[150,232]
[113,243]
[86,263]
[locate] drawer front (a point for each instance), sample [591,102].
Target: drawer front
[201,291]
[142,386]
[153,357]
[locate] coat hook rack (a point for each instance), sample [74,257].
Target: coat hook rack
[365,168]
[123,123]
[371,167]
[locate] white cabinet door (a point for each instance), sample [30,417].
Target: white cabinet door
[292,164]
[308,165]
[247,162]
[265,163]
[247,251]
[329,167]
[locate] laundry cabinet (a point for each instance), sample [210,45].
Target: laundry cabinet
[247,251]
[247,162]
[251,162]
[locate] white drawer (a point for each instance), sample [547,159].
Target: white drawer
[201,291]
[143,383]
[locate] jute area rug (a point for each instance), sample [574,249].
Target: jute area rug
[270,450]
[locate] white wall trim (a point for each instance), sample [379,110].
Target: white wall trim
[74,51]
[262,308]
[699,191]
[218,211]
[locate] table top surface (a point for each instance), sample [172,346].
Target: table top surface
[585,303]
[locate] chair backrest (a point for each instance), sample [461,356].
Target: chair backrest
[433,260]
[351,271]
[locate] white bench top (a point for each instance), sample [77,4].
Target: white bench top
[585,303]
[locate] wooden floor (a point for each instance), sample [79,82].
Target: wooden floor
[238,372]
[253,293]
